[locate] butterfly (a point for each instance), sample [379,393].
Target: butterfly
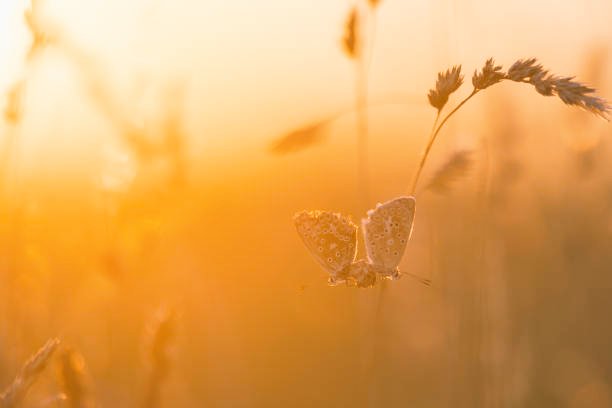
[331,238]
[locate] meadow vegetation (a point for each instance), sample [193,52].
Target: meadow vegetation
[135,278]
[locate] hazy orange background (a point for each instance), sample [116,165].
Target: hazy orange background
[95,236]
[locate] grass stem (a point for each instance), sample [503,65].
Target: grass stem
[432,139]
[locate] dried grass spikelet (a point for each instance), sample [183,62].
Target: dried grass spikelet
[14,103]
[351,39]
[95,80]
[74,380]
[523,70]
[528,71]
[447,83]
[571,92]
[40,36]
[161,331]
[314,133]
[14,395]
[568,90]
[456,166]
[576,94]
[490,75]
[299,139]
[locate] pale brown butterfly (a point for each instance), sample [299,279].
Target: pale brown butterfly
[386,232]
[332,240]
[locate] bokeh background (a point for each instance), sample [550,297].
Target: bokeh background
[136,177]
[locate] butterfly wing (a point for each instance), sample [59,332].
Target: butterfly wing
[386,232]
[331,239]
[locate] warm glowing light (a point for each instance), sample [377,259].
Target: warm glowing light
[153,154]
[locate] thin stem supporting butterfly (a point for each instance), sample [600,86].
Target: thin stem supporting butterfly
[332,238]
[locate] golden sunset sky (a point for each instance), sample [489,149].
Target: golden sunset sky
[253,69]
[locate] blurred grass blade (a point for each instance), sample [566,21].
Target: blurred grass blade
[300,139]
[162,331]
[74,380]
[14,395]
[312,133]
[455,167]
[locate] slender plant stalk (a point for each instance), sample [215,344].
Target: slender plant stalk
[162,337]
[74,380]
[372,38]
[5,158]
[15,394]
[436,120]
[353,45]
[361,103]
[432,139]
[571,92]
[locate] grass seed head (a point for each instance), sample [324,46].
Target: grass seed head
[490,75]
[14,395]
[455,167]
[524,69]
[576,94]
[447,83]
[571,92]
[350,39]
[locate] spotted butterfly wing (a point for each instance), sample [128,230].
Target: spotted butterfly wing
[331,239]
[386,232]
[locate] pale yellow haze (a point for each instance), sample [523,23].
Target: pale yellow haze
[254,69]
[139,176]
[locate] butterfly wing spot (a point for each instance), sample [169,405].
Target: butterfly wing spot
[387,231]
[330,238]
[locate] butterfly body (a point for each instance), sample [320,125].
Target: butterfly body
[331,238]
[363,274]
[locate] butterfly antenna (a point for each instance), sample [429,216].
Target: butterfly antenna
[424,281]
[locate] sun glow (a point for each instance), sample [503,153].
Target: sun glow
[13,39]
[161,159]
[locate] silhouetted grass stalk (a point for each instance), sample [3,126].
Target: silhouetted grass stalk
[432,139]
[15,394]
[361,103]
[162,334]
[526,71]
